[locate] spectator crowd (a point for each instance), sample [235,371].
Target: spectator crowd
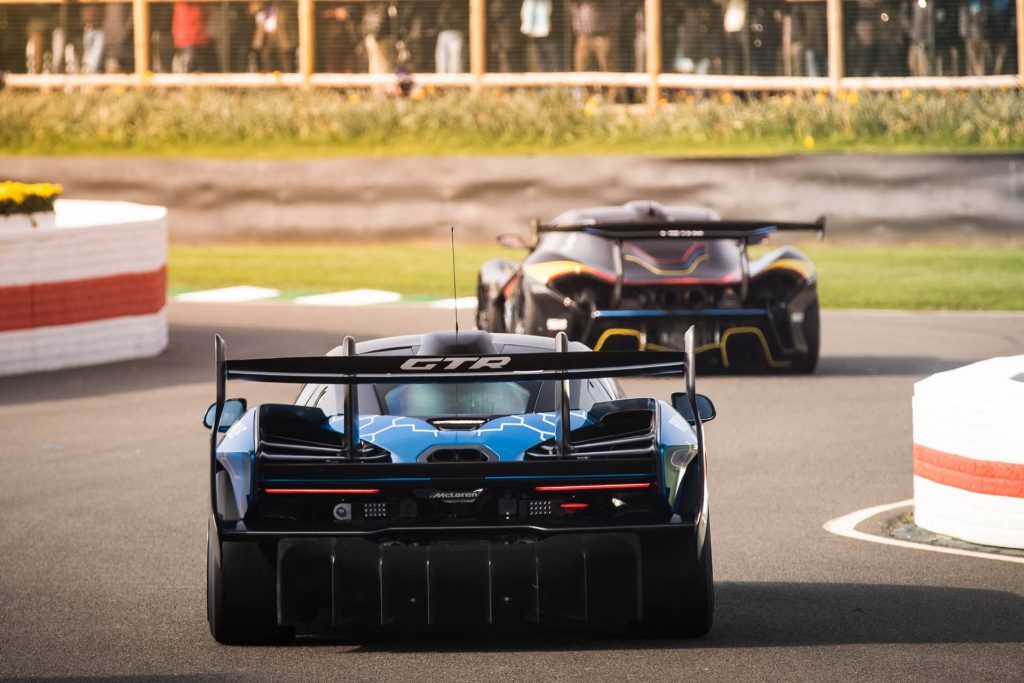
[755,37]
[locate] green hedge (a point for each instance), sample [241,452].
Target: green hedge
[296,123]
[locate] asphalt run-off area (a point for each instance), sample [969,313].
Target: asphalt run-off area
[105,501]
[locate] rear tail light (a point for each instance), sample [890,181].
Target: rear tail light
[336,492]
[596,487]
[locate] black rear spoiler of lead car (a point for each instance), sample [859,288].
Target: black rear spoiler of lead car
[350,370]
[751,232]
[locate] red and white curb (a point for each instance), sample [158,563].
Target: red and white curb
[846,526]
[90,290]
[969,452]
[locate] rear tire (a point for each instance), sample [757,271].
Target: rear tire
[488,315]
[808,362]
[696,609]
[241,593]
[700,612]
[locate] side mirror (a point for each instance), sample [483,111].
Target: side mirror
[512,241]
[234,409]
[706,409]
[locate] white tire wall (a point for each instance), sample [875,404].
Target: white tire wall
[90,290]
[969,452]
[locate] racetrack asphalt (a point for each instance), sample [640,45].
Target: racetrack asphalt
[104,498]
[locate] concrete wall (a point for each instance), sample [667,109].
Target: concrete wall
[896,196]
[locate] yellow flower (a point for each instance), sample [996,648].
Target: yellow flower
[119,90]
[808,142]
[662,101]
[820,98]
[841,95]
[919,99]
[590,108]
[353,98]
[787,100]
[852,97]
[726,97]
[905,93]
[418,95]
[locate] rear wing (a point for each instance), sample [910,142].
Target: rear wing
[350,370]
[752,232]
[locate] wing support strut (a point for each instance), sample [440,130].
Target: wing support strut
[351,406]
[563,425]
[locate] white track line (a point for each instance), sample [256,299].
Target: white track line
[847,526]
[464,302]
[353,297]
[230,294]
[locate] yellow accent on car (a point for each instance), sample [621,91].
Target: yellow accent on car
[643,345]
[803,268]
[549,270]
[666,271]
[760,337]
[641,338]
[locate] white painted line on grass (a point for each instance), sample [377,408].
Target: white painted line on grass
[354,297]
[230,294]
[847,526]
[463,302]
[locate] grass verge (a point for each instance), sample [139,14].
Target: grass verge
[303,124]
[890,277]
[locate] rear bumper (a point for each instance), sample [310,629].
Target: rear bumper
[473,577]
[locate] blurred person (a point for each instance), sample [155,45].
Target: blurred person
[161,37]
[378,40]
[891,49]
[863,60]
[734,26]
[535,23]
[947,40]
[596,24]
[92,40]
[274,39]
[696,26]
[452,15]
[338,42]
[500,34]
[765,31]
[922,37]
[1001,34]
[117,37]
[39,44]
[809,30]
[191,40]
[638,44]
[974,17]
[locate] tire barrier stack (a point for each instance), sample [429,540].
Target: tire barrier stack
[91,290]
[969,452]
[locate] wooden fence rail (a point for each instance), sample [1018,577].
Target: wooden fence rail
[652,80]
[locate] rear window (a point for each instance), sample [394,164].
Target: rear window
[478,400]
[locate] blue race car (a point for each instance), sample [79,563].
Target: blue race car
[458,481]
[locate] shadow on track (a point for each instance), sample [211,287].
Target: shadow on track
[779,615]
[869,366]
[187,360]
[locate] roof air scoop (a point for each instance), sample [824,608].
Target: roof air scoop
[445,343]
[647,208]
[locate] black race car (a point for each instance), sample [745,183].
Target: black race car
[637,276]
[456,482]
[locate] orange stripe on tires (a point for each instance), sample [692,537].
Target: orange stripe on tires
[977,476]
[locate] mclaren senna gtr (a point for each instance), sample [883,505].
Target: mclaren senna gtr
[635,277]
[458,481]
